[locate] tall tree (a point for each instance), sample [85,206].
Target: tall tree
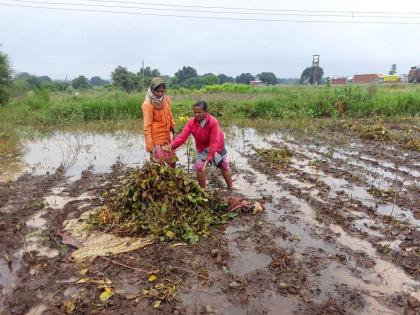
[97,81]
[81,82]
[244,78]
[148,72]
[313,75]
[223,78]
[124,79]
[5,78]
[184,74]
[268,78]
[145,75]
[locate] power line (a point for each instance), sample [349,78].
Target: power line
[253,9]
[209,17]
[289,13]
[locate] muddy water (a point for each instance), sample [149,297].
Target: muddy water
[82,150]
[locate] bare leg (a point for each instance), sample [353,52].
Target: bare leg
[201,177]
[228,178]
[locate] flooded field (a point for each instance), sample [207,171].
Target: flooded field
[340,233]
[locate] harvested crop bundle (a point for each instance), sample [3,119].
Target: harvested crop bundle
[160,201]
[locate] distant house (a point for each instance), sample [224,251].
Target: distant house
[368,78]
[256,83]
[392,78]
[336,81]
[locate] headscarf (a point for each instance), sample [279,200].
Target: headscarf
[150,96]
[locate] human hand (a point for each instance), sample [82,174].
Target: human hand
[167,147]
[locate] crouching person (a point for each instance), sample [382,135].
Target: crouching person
[209,143]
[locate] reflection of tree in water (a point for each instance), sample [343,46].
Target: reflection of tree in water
[70,147]
[11,164]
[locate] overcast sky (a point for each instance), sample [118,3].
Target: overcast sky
[59,43]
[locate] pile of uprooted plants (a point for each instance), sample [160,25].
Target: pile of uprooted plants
[160,201]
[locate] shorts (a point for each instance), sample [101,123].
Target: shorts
[220,160]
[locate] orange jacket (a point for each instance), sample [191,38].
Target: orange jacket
[157,123]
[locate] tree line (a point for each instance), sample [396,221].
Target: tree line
[122,78]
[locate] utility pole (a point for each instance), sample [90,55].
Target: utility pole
[315,67]
[142,67]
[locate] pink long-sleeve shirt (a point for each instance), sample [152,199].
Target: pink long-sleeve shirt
[210,136]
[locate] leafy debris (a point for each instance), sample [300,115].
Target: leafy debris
[160,201]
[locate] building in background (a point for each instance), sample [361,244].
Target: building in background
[368,78]
[414,75]
[256,83]
[392,78]
[337,81]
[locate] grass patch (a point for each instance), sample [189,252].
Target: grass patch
[227,102]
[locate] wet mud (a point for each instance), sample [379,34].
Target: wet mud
[340,233]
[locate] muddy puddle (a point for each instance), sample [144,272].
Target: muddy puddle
[324,244]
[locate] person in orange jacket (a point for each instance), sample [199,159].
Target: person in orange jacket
[158,122]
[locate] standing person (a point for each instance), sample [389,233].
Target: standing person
[158,123]
[209,143]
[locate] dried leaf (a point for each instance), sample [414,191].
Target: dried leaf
[257,207]
[157,303]
[132,296]
[96,281]
[84,271]
[106,294]
[178,244]
[69,306]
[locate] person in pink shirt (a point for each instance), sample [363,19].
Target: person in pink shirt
[209,143]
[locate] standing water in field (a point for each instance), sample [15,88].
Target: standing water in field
[340,230]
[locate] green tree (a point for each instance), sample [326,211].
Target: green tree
[81,82]
[268,78]
[244,78]
[313,75]
[5,78]
[200,81]
[97,81]
[184,74]
[124,79]
[145,75]
[45,79]
[223,78]
[148,72]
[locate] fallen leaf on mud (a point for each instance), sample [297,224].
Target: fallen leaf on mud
[69,306]
[257,208]
[96,281]
[152,278]
[106,294]
[178,244]
[151,292]
[133,296]
[170,235]
[8,261]
[214,252]
[234,285]
[156,304]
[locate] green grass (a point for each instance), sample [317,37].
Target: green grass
[229,102]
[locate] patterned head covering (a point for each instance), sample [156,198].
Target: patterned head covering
[157,102]
[156,82]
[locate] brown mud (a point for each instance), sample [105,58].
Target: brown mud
[340,235]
